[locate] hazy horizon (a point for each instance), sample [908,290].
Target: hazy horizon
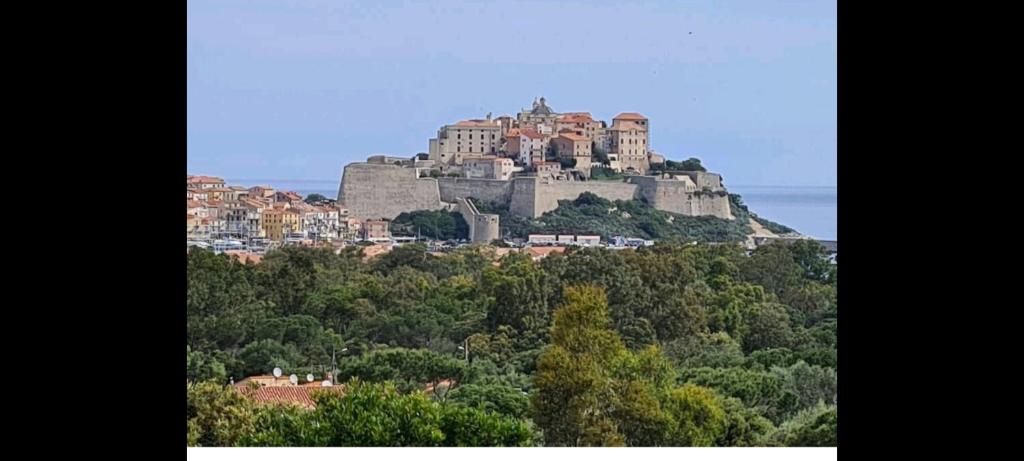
[299,89]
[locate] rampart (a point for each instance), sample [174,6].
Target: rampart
[385,191]
[374,191]
[490,190]
[482,227]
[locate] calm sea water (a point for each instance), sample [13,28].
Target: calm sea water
[810,210]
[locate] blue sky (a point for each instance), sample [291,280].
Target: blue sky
[296,89]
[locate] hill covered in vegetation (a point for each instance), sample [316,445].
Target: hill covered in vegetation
[590,214]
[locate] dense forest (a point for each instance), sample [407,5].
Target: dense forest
[670,345]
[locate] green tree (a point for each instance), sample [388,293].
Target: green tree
[812,427]
[260,357]
[315,198]
[493,398]
[377,415]
[767,325]
[517,296]
[441,225]
[573,389]
[744,427]
[203,367]
[409,369]
[691,164]
[715,350]
[696,417]
[218,416]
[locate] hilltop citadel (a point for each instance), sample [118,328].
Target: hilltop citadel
[528,163]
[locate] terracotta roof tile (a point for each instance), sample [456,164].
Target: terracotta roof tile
[295,395]
[573,137]
[576,117]
[532,134]
[630,116]
[477,124]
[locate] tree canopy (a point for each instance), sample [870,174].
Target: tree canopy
[670,345]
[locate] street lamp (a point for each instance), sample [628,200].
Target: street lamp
[334,365]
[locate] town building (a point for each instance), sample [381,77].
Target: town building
[376,230]
[548,169]
[244,218]
[487,167]
[583,124]
[465,138]
[575,147]
[630,141]
[530,146]
[287,197]
[261,192]
[204,182]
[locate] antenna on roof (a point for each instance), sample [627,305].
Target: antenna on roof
[309,378]
[277,372]
[293,379]
[326,383]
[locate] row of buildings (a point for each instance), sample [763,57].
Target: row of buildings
[217,210]
[543,141]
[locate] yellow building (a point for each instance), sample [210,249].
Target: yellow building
[273,220]
[290,221]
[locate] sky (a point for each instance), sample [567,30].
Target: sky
[294,90]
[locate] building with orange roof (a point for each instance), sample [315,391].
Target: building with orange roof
[467,137]
[203,182]
[261,192]
[507,123]
[301,396]
[197,194]
[572,146]
[287,197]
[629,138]
[581,123]
[528,147]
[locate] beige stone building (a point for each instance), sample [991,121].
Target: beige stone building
[261,192]
[376,229]
[487,167]
[572,146]
[548,169]
[203,182]
[465,138]
[630,141]
[583,124]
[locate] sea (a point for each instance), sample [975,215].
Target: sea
[810,210]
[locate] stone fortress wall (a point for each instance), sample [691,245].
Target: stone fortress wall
[375,191]
[372,191]
[483,228]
